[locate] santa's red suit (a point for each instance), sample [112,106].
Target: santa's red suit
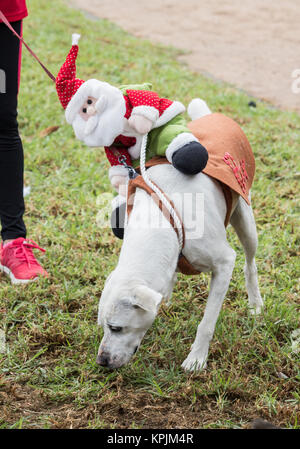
[150,105]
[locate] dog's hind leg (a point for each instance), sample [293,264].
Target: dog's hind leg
[221,275]
[243,222]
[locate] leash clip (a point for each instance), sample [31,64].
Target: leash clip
[131,171]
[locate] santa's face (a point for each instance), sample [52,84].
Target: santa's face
[100,119]
[88,108]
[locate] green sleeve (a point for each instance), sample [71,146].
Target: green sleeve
[160,138]
[144,86]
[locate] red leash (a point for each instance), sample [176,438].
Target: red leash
[4,20]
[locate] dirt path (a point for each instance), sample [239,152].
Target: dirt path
[252,44]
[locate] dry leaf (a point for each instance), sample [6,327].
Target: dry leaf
[49,130]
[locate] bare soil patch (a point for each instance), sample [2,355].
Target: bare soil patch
[253,44]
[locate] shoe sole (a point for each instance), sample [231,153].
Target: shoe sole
[13,279]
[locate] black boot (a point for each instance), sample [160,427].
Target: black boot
[190,159]
[117,221]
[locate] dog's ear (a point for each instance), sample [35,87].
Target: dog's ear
[146,298]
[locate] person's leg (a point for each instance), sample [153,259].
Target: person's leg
[11,150]
[16,253]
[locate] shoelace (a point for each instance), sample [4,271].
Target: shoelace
[23,252]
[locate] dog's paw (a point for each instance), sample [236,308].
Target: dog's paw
[255,310]
[195,362]
[256,306]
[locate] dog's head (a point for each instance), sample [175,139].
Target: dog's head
[125,316]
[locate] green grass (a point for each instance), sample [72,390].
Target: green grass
[49,377]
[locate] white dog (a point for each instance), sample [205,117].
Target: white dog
[146,269]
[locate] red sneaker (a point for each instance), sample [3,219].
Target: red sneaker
[18,262]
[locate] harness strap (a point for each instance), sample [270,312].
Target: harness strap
[139,182]
[228,199]
[183,264]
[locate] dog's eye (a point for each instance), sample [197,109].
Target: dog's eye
[89,101]
[84,110]
[115,328]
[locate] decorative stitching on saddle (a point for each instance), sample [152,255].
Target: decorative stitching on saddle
[239,171]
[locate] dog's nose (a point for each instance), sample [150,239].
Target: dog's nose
[103,359]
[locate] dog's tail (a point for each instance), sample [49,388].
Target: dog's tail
[197,108]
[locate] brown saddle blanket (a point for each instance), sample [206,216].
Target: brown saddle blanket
[231,160]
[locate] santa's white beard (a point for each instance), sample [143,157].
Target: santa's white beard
[101,129]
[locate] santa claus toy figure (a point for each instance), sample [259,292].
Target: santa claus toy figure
[118,118]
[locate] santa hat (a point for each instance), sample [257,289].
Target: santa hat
[66,83]
[72,92]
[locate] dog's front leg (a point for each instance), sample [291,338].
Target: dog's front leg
[221,276]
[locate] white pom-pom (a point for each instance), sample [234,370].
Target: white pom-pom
[198,108]
[75,38]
